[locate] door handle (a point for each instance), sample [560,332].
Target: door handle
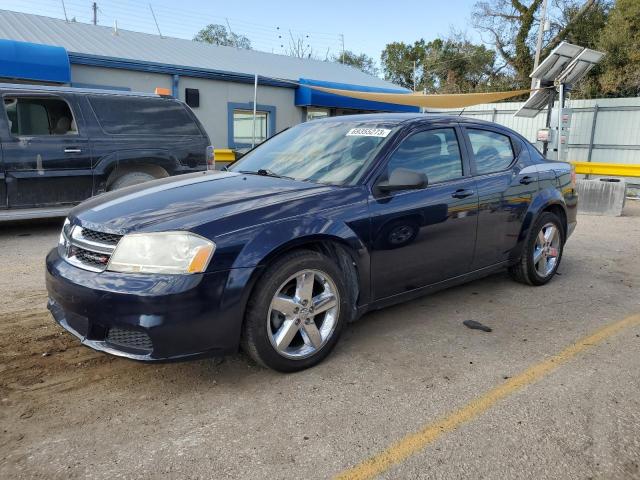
[527,180]
[72,150]
[462,193]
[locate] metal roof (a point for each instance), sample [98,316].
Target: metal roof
[88,39]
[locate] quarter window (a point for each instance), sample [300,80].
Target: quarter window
[39,116]
[435,153]
[492,151]
[129,115]
[243,127]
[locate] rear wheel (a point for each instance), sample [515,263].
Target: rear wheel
[129,179]
[542,252]
[296,312]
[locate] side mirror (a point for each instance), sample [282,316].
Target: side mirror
[403,179]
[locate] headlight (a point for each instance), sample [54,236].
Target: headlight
[166,252]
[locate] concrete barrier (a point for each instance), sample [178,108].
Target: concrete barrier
[601,196]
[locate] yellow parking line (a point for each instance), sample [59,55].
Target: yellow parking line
[415,442]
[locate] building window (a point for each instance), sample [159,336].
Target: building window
[39,116]
[240,124]
[243,126]
[314,113]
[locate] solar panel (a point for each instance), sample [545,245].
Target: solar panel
[566,64]
[580,66]
[556,62]
[537,102]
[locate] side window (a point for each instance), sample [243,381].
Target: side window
[39,116]
[435,153]
[122,115]
[492,151]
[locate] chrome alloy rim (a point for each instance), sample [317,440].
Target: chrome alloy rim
[303,314]
[546,250]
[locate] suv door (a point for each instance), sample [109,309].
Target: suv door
[506,184]
[46,156]
[420,237]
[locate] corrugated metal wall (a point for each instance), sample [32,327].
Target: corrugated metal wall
[616,131]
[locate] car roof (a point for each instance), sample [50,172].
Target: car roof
[407,118]
[27,88]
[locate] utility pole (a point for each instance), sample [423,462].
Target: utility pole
[155,20]
[536,61]
[64,9]
[414,76]
[342,40]
[94,7]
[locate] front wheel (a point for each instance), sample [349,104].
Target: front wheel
[296,312]
[542,252]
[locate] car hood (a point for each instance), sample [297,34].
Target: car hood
[185,201]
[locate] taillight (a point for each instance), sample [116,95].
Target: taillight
[211,158]
[573,176]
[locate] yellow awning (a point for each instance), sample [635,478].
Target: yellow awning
[450,100]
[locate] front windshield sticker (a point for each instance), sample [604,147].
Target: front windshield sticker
[368,132]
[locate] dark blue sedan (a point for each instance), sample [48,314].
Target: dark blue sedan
[320,224]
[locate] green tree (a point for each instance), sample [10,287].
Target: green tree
[619,73]
[398,60]
[360,61]
[453,65]
[220,35]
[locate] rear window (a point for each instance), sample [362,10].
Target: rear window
[142,116]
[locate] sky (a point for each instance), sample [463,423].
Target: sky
[367,26]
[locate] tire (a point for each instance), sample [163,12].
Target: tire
[547,250]
[129,179]
[296,337]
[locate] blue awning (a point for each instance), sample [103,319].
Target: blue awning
[308,97]
[32,61]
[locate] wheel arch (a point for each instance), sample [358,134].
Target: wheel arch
[113,165]
[546,201]
[331,246]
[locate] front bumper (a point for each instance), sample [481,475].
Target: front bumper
[147,317]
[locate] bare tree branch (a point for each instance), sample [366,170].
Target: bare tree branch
[562,34]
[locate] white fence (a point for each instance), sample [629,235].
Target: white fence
[602,130]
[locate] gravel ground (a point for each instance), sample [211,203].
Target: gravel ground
[68,412]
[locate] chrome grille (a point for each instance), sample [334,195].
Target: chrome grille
[124,337]
[88,249]
[101,237]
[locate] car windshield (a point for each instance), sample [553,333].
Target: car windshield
[331,152]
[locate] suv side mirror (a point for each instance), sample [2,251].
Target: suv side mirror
[403,179]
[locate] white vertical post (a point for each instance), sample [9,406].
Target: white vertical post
[255,101]
[560,110]
[536,61]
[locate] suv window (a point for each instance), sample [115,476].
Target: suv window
[435,153]
[142,116]
[493,151]
[39,116]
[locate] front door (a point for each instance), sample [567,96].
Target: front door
[421,237]
[47,158]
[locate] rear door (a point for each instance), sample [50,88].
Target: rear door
[506,185]
[47,159]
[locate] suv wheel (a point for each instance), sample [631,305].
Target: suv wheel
[129,179]
[542,253]
[296,312]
